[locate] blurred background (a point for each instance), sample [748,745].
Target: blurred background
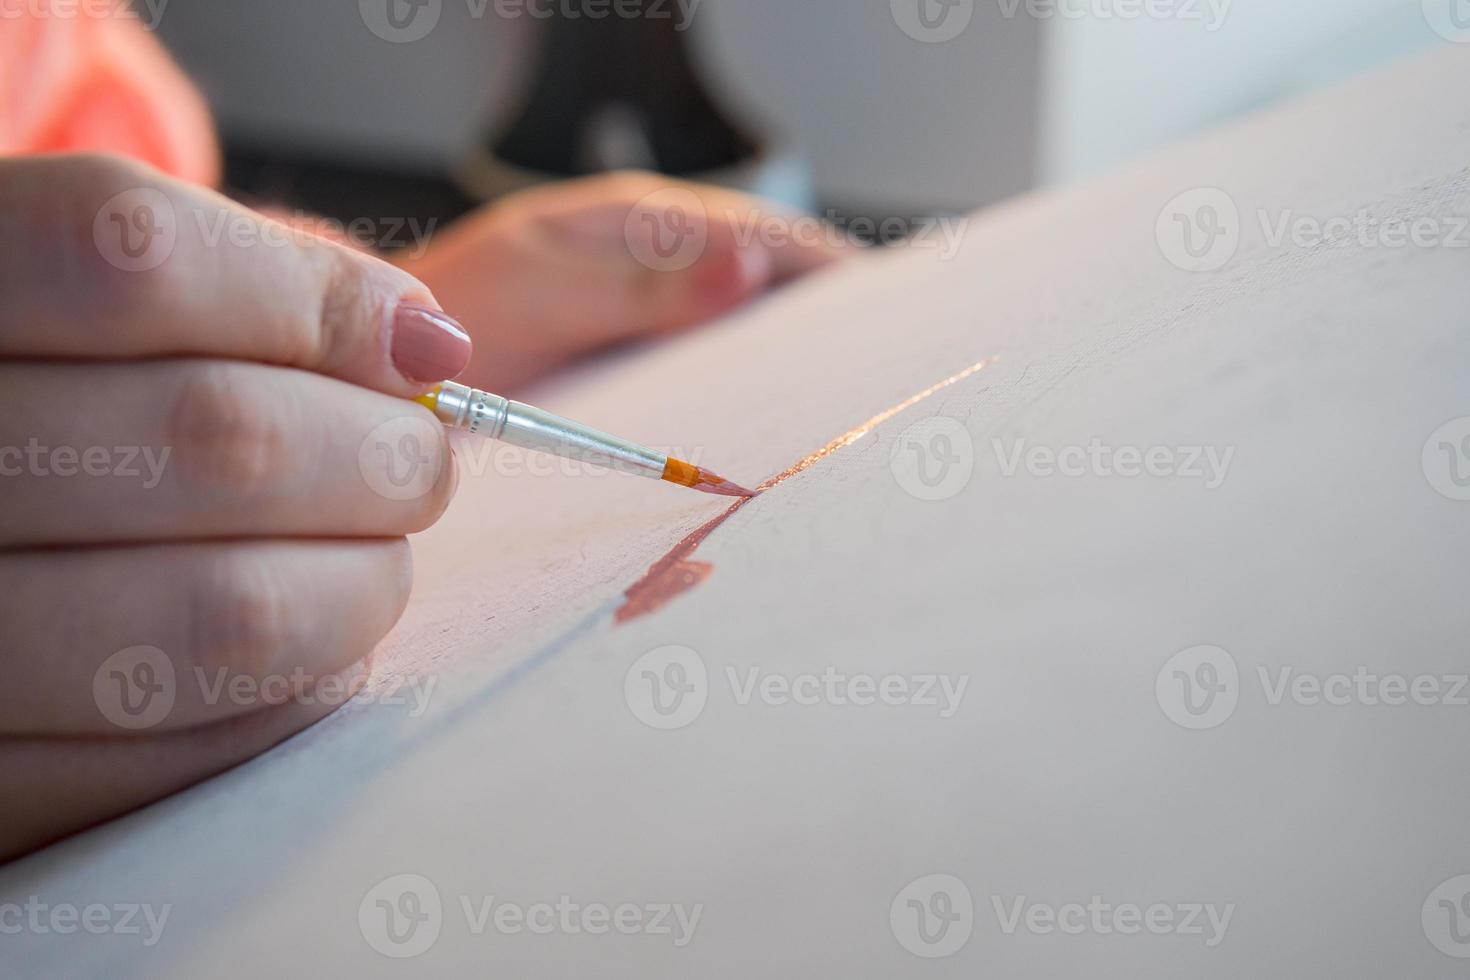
[871,108]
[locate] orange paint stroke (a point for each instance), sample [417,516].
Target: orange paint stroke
[674,574]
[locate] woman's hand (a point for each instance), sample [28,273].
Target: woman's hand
[557,272]
[208,468]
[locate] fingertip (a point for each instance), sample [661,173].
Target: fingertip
[802,258]
[755,267]
[729,275]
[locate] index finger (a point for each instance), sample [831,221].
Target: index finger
[104,258]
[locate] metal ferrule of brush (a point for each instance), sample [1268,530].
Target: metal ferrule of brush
[488,415]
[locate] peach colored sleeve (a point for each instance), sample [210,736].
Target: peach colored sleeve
[70,82]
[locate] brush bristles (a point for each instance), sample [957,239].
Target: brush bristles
[691,476]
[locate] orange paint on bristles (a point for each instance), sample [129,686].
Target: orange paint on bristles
[688,475]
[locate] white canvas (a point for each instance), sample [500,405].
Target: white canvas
[826,839]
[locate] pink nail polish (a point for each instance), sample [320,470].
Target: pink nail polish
[429,345]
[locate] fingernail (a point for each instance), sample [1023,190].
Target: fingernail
[429,345]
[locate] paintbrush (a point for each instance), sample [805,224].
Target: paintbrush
[482,413]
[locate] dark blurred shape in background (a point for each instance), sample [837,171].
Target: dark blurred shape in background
[611,94]
[896,107]
[827,104]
